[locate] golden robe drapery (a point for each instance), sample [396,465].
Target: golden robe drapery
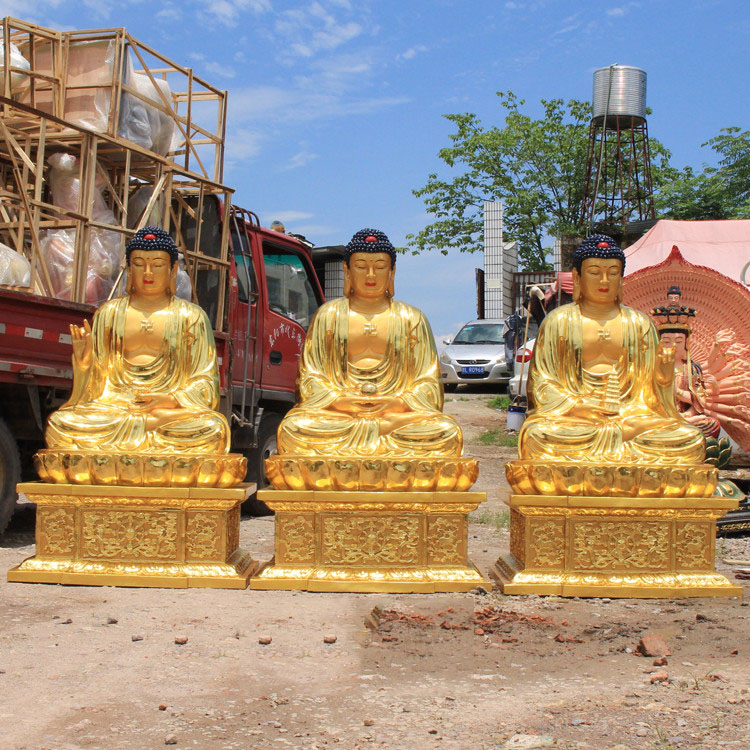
[409,370]
[101,412]
[556,384]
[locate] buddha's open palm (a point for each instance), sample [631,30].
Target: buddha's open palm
[83,344]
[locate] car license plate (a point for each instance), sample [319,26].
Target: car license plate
[474,370]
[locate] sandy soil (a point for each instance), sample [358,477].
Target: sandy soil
[84,667]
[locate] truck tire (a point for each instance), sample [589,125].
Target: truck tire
[267,429]
[10,474]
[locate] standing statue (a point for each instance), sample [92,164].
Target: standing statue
[600,383]
[145,376]
[369,378]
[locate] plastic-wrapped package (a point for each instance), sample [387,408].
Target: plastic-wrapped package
[58,249]
[90,71]
[137,204]
[58,246]
[17,60]
[184,285]
[15,270]
[141,123]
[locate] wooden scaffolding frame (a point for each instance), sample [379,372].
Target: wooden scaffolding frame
[197,109]
[27,139]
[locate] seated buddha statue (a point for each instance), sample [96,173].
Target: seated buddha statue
[600,382]
[145,376]
[369,379]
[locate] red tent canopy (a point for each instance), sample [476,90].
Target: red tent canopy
[724,246]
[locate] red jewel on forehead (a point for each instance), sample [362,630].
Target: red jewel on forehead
[602,244]
[149,236]
[370,238]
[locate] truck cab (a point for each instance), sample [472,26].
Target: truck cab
[260,305]
[274,293]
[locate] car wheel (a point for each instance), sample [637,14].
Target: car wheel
[450,387]
[267,430]
[10,474]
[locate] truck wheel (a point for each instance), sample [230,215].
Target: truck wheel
[10,474]
[256,461]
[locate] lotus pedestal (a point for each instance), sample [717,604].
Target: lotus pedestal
[370,541]
[137,536]
[613,546]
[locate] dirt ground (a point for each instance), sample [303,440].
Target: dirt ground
[85,667]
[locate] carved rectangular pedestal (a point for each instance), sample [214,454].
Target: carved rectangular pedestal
[370,541]
[614,547]
[136,536]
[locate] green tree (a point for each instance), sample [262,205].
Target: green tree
[534,166]
[717,192]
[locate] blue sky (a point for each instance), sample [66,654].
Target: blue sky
[335,105]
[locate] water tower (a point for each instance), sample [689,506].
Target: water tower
[618,195]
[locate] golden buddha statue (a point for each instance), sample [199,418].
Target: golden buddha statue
[145,380]
[611,495]
[370,484]
[368,388]
[600,382]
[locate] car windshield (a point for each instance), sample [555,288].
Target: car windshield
[480,333]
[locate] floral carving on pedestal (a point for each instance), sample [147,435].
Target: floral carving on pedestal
[203,540]
[130,535]
[693,548]
[371,540]
[233,530]
[546,543]
[445,537]
[55,531]
[295,538]
[615,545]
[518,535]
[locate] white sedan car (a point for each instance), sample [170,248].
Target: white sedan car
[476,356]
[517,384]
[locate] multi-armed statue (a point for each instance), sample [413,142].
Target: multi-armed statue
[139,487]
[612,495]
[370,486]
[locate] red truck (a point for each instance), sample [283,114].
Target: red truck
[272,293]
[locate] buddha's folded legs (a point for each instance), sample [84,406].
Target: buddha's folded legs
[322,433]
[96,426]
[675,439]
[432,435]
[567,438]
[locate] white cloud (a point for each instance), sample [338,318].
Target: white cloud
[567,29]
[412,52]
[229,12]
[302,104]
[218,69]
[169,14]
[617,11]
[242,144]
[315,29]
[299,160]
[315,232]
